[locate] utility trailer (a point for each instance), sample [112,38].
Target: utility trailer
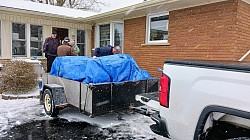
[92,99]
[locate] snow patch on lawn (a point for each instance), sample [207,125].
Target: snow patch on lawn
[15,112]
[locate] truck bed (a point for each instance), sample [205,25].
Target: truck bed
[196,94]
[213,64]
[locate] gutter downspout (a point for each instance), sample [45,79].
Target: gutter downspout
[244,56]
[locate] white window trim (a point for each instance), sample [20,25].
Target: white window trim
[28,35]
[85,36]
[97,33]
[147,40]
[27,39]
[19,56]
[1,47]
[113,44]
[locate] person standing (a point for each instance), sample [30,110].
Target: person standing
[50,49]
[65,49]
[75,47]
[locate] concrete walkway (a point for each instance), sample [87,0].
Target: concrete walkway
[13,97]
[32,94]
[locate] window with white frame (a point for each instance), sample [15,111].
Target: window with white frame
[157,28]
[110,34]
[118,34]
[27,40]
[18,39]
[0,38]
[104,35]
[36,40]
[81,41]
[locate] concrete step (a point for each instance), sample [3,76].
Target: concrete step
[12,97]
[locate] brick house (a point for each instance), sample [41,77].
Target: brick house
[155,30]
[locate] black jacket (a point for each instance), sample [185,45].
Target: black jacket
[103,51]
[50,46]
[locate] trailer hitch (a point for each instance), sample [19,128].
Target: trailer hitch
[144,111]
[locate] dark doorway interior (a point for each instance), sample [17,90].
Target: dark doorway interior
[61,33]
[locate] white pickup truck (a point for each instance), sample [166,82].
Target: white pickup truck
[207,100]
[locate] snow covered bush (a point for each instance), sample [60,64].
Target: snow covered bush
[19,77]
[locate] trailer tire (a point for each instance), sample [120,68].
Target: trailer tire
[49,105]
[41,98]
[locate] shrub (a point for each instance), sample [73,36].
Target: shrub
[19,77]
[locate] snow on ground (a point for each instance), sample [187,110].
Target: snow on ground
[135,124]
[16,112]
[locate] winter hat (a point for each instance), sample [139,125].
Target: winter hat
[66,39]
[54,32]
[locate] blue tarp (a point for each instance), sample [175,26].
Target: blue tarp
[112,68]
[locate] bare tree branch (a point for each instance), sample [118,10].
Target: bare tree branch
[51,2]
[60,2]
[87,5]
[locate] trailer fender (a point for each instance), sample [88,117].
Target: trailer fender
[58,94]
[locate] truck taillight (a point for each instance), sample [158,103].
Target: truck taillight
[164,90]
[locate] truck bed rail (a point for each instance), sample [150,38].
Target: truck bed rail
[212,64]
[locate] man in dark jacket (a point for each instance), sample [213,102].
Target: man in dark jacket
[50,49]
[65,49]
[107,50]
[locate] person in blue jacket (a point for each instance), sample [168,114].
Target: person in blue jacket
[107,50]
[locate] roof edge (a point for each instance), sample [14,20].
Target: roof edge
[128,8]
[30,12]
[144,5]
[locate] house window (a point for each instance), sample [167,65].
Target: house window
[109,34]
[157,28]
[18,39]
[118,34]
[36,40]
[104,35]
[81,41]
[27,40]
[0,38]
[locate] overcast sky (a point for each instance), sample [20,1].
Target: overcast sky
[114,4]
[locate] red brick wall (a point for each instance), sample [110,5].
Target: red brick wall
[202,33]
[243,30]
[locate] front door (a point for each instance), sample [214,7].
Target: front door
[61,33]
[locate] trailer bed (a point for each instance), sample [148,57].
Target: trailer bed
[98,99]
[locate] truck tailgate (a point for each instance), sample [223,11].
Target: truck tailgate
[150,99]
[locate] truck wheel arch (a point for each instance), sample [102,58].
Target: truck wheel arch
[209,109]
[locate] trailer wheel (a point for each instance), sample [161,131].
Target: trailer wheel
[49,105]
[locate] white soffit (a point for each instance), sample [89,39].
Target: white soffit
[247,1]
[145,8]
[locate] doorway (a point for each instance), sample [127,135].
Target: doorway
[61,33]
